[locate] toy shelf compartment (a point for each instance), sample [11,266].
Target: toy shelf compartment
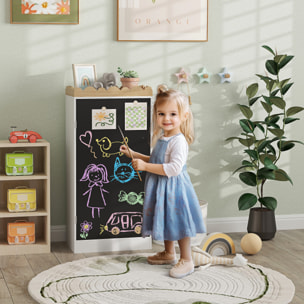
[39,156]
[41,196]
[40,180]
[41,244]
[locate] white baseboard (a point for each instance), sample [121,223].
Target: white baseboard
[58,233]
[222,224]
[239,224]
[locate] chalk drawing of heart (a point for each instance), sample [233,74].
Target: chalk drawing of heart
[86,138]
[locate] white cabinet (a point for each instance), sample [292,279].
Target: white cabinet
[105,214]
[40,180]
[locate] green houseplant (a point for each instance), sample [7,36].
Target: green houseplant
[264,140]
[129,78]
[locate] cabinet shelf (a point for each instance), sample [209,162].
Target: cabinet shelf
[23,177]
[38,212]
[40,246]
[40,180]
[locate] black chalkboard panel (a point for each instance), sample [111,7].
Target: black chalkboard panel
[109,191]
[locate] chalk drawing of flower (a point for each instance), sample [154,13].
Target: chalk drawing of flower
[85,228]
[63,7]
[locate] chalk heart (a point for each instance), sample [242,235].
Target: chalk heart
[86,138]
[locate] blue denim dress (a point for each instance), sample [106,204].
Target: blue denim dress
[171,208]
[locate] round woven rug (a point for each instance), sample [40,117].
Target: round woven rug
[131,280]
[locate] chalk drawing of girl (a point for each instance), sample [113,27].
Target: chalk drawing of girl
[97,175]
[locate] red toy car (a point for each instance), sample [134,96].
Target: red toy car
[31,136]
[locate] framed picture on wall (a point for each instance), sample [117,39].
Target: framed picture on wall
[84,75]
[162,20]
[45,11]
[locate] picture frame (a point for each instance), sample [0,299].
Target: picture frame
[84,75]
[162,20]
[46,12]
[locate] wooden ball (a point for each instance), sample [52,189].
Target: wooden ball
[251,243]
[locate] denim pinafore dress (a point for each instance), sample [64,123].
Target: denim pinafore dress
[171,208]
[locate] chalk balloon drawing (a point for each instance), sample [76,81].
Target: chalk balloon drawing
[97,175]
[86,140]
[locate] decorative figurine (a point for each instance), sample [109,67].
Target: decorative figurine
[225,76]
[204,76]
[31,136]
[183,76]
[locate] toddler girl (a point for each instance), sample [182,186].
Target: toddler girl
[171,208]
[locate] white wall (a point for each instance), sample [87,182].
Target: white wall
[36,60]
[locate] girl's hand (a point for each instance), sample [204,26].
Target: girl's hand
[138,164]
[123,149]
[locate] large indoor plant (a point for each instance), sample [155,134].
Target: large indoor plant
[263,135]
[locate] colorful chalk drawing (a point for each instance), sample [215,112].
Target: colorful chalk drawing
[123,172]
[109,148]
[103,119]
[132,198]
[135,116]
[86,140]
[123,222]
[85,227]
[97,175]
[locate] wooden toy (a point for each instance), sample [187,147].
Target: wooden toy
[251,243]
[218,244]
[31,136]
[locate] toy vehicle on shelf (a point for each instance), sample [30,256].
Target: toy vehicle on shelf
[31,136]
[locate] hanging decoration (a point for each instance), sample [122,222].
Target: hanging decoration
[203,75]
[225,76]
[183,76]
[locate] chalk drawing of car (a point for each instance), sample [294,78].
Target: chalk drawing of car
[123,222]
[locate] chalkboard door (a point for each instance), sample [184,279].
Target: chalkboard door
[109,193]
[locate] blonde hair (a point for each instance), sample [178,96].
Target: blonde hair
[164,94]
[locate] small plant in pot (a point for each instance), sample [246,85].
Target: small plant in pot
[128,79]
[264,139]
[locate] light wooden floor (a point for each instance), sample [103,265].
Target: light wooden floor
[285,253]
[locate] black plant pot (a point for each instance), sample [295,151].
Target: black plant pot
[262,222]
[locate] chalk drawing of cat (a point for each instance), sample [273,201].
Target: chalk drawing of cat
[123,172]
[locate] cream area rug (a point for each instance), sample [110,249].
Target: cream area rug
[131,280]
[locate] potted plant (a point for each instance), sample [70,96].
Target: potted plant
[264,139]
[128,79]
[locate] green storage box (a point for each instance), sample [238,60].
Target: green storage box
[19,163]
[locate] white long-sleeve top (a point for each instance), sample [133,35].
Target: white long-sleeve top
[176,155]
